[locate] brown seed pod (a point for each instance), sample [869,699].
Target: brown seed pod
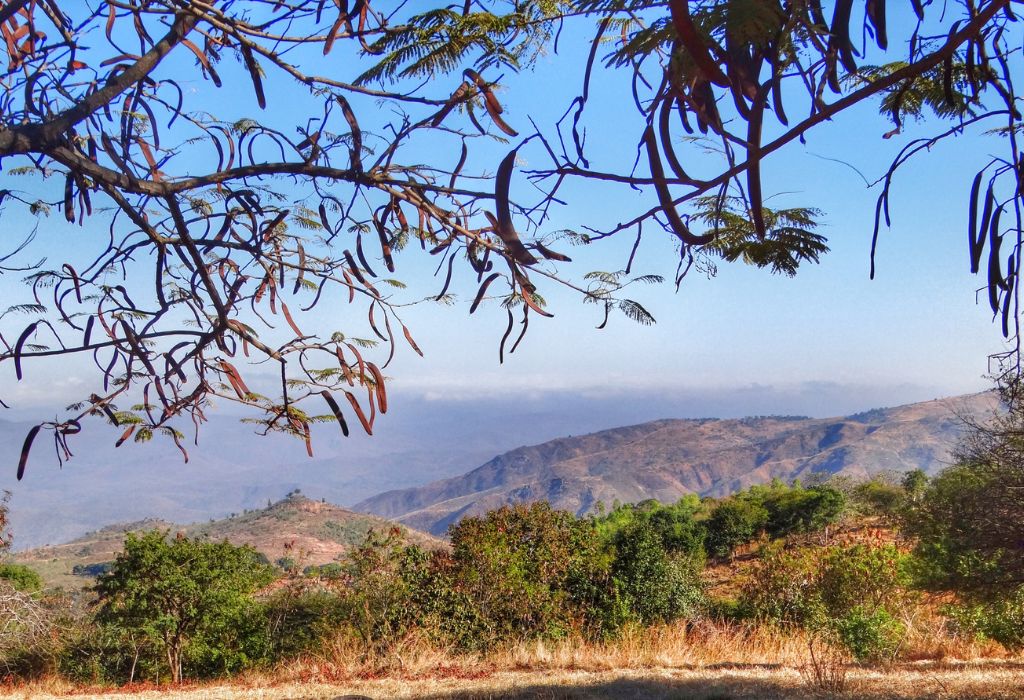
[254,73]
[288,318]
[378,387]
[336,410]
[124,436]
[18,348]
[359,412]
[482,291]
[25,449]
[665,197]
[505,228]
[686,30]
[412,343]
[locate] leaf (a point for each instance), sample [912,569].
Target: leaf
[636,312]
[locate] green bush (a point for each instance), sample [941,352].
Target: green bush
[446,612]
[733,522]
[655,585]
[100,654]
[999,618]
[21,578]
[378,602]
[188,602]
[969,525]
[530,571]
[871,636]
[301,620]
[853,592]
[879,496]
[677,525]
[795,509]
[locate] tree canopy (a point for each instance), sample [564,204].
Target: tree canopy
[177,594]
[352,131]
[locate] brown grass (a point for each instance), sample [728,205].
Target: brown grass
[993,680]
[702,660]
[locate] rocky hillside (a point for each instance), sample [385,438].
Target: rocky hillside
[314,532]
[668,458]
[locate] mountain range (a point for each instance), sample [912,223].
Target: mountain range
[422,457]
[665,459]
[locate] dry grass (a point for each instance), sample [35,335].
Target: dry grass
[705,660]
[990,681]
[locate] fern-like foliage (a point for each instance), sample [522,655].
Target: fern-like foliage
[445,39]
[944,90]
[790,239]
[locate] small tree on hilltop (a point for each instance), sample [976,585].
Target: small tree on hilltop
[181,593]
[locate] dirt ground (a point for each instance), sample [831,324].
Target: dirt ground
[949,680]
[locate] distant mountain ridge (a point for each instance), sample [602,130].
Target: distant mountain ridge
[666,459]
[308,531]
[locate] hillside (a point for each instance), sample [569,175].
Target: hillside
[666,459]
[315,532]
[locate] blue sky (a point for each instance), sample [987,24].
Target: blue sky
[916,326]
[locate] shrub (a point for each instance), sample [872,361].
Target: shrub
[656,585]
[677,525]
[21,578]
[879,496]
[27,633]
[300,621]
[377,599]
[795,509]
[733,522]
[529,570]
[91,569]
[999,618]
[847,593]
[446,612]
[874,636]
[188,601]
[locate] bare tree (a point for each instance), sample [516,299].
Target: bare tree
[224,228]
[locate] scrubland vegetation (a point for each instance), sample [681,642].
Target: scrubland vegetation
[825,580]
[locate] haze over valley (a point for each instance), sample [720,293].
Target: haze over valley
[433,461]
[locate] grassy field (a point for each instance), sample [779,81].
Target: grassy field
[709,661]
[947,680]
